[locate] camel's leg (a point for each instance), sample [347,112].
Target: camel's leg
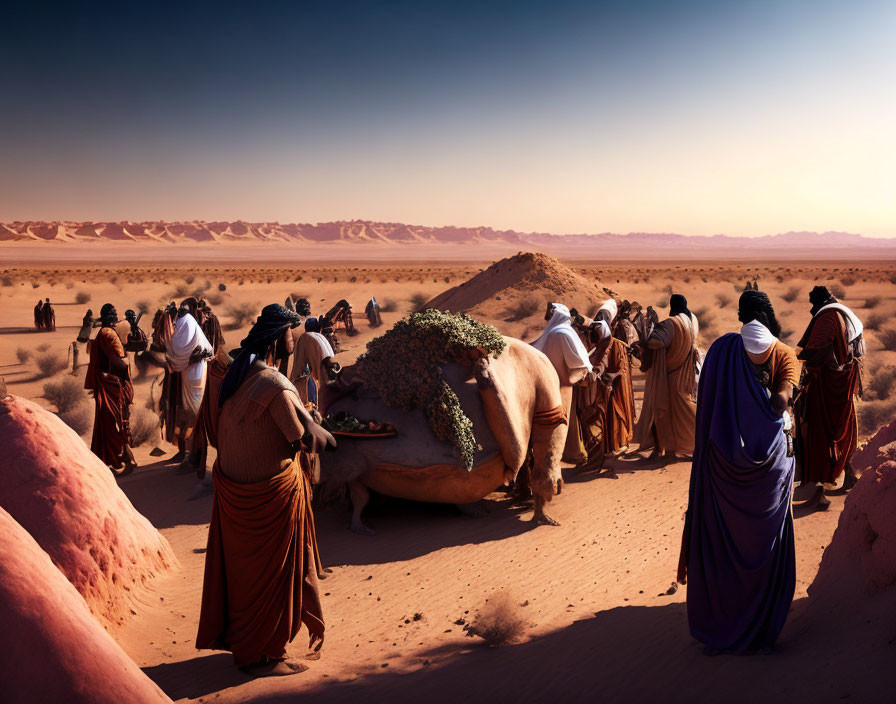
[360,496]
[547,449]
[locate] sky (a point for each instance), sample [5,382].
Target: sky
[699,117]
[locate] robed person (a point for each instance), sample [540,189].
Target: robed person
[211,326]
[261,567]
[738,546]
[49,316]
[564,348]
[669,410]
[39,315]
[108,376]
[831,351]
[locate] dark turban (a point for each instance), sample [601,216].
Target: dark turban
[756,305]
[267,330]
[820,297]
[108,315]
[678,304]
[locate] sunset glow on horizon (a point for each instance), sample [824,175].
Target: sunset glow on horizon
[689,117]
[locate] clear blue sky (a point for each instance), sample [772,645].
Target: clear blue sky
[695,117]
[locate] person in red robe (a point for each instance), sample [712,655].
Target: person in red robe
[262,564]
[109,377]
[832,347]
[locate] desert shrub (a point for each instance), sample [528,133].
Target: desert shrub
[144,427]
[82,297]
[43,347]
[873,415]
[241,314]
[388,305]
[23,355]
[837,290]
[143,307]
[888,339]
[723,300]
[663,303]
[875,321]
[418,302]
[214,299]
[189,279]
[872,302]
[6,280]
[78,418]
[222,287]
[35,284]
[882,381]
[180,291]
[848,281]
[522,309]
[65,394]
[50,363]
[500,621]
[791,294]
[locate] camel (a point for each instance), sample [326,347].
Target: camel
[513,401]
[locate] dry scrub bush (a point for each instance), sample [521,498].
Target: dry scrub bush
[837,290]
[144,427]
[875,321]
[214,299]
[65,394]
[82,297]
[791,294]
[79,418]
[50,363]
[143,307]
[388,306]
[418,302]
[872,302]
[43,347]
[888,339]
[23,355]
[6,281]
[241,314]
[522,309]
[222,287]
[882,381]
[723,300]
[848,281]
[499,622]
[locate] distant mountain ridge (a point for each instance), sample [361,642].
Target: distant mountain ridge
[362,232]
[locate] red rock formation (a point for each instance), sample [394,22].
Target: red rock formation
[53,649]
[67,499]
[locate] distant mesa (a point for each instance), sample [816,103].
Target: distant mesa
[635,245]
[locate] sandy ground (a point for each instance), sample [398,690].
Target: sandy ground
[396,603]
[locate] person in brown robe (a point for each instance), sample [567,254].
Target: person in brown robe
[261,567]
[39,315]
[210,325]
[109,377]
[49,316]
[669,412]
[831,350]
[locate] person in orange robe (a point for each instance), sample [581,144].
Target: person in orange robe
[109,377]
[262,564]
[831,351]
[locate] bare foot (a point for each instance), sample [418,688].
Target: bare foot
[273,668]
[542,519]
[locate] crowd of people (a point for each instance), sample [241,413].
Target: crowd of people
[747,413]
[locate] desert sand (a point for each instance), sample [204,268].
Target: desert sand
[601,619]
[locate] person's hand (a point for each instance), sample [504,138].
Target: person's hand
[318,439]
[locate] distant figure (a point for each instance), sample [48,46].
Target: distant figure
[184,385]
[562,345]
[373,313]
[87,325]
[262,561]
[109,377]
[670,392]
[737,553]
[614,367]
[210,325]
[136,341]
[340,313]
[49,316]
[832,347]
[39,316]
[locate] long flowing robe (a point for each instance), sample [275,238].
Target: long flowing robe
[49,317]
[621,407]
[113,395]
[39,315]
[261,564]
[827,407]
[185,384]
[670,390]
[563,346]
[738,543]
[311,350]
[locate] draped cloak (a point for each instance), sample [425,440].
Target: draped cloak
[186,381]
[112,395]
[738,543]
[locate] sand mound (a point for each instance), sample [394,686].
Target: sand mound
[67,499]
[53,649]
[878,449]
[521,285]
[861,559]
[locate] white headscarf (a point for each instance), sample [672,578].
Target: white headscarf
[575,354]
[186,338]
[757,338]
[611,307]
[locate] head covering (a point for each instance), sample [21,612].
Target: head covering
[757,338]
[678,304]
[820,296]
[756,305]
[610,307]
[107,314]
[268,328]
[312,324]
[187,337]
[560,324]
